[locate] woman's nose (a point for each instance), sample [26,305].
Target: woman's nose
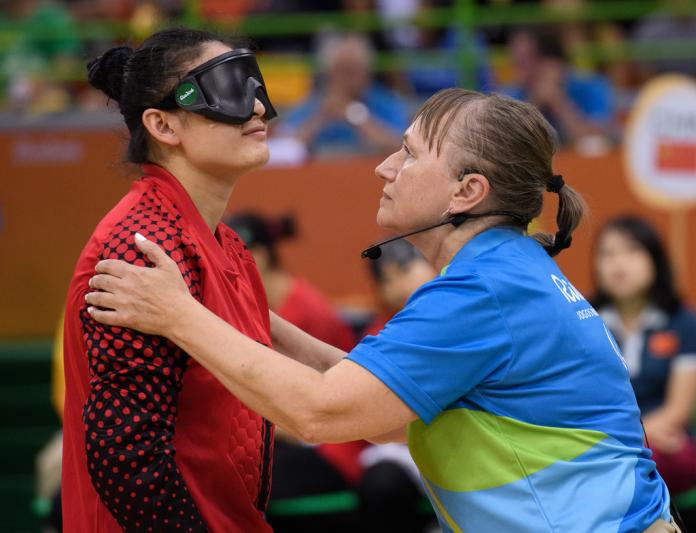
[259,108]
[389,168]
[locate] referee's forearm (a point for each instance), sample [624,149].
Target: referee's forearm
[291,341]
[280,389]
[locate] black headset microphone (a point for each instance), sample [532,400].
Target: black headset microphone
[375,251]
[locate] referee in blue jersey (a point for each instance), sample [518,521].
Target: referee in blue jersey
[512,394]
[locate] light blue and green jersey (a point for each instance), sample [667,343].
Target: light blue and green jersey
[527,420]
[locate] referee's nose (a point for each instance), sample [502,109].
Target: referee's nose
[389,168]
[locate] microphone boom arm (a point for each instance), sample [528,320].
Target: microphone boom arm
[374,251]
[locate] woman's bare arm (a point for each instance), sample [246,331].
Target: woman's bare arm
[397,435]
[344,403]
[291,341]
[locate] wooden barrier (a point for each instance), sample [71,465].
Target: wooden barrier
[55,186]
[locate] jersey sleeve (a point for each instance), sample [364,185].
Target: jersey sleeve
[449,338]
[130,414]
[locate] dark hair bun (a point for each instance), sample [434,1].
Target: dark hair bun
[282,227]
[106,72]
[254,228]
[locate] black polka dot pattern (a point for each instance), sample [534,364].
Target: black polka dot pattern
[135,380]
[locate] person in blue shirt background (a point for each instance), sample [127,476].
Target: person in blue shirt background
[639,302]
[577,104]
[427,80]
[511,392]
[348,111]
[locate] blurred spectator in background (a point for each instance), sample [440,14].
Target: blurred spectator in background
[227,10]
[672,32]
[398,272]
[637,299]
[425,76]
[120,10]
[293,298]
[146,18]
[404,35]
[597,46]
[295,42]
[40,38]
[448,71]
[299,469]
[578,106]
[390,490]
[348,111]
[140,18]
[573,32]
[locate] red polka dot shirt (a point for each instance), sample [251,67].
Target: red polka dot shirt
[152,441]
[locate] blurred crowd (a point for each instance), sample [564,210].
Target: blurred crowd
[349,91]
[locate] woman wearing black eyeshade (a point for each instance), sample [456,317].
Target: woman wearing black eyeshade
[154,442]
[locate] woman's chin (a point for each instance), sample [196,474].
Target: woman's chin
[387,220]
[384,220]
[261,154]
[256,159]
[264,156]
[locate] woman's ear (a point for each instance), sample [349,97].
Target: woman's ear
[159,124]
[473,190]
